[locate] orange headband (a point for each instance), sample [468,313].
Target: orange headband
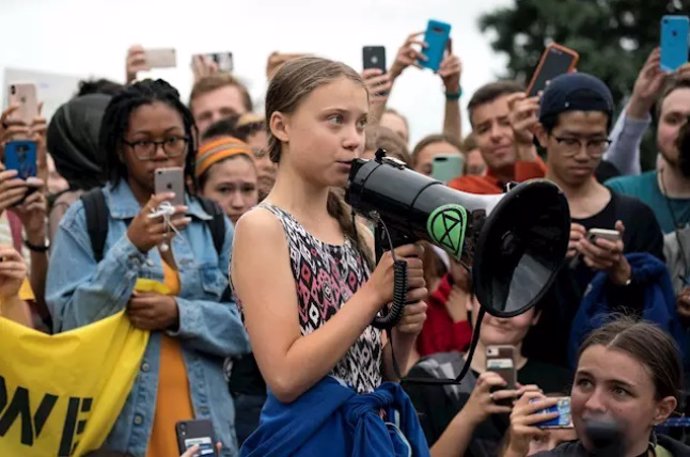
[218,149]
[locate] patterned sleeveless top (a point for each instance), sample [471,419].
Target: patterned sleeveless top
[326,276]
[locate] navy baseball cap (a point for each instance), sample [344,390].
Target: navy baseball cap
[575,92]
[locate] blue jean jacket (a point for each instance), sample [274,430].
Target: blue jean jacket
[80,291]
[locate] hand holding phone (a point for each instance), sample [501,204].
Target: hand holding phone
[555,61]
[170,180]
[562,409]
[196,433]
[436,39]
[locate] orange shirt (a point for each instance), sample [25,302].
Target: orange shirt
[489,184]
[173,401]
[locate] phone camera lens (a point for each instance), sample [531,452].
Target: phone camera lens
[13,90]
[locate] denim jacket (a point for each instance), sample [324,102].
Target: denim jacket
[80,291]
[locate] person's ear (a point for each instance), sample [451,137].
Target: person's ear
[278,124]
[541,135]
[536,317]
[664,408]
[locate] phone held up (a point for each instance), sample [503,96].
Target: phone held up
[23,95]
[445,167]
[436,37]
[170,180]
[674,42]
[21,156]
[555,61]
[374,57]
[161,57]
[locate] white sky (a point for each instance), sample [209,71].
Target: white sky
[90,38]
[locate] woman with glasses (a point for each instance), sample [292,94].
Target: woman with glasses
[194,324]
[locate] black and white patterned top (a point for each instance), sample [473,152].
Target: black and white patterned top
[326,276]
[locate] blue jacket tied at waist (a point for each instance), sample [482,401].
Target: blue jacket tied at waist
[332,419]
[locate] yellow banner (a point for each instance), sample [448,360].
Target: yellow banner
[61,394]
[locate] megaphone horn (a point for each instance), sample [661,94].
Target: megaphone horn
[515,241]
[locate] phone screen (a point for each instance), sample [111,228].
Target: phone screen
[205,445]
[555,63]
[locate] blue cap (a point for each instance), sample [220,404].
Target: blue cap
[575,92]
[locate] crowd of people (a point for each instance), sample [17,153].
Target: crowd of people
[269,284]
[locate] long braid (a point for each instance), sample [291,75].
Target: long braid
[116,122]
[339,210]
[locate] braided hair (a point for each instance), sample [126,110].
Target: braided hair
[116,122]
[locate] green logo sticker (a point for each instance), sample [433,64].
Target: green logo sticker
[446,227]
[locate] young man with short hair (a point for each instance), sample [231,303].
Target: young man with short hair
[216,97]
[666,190]
[575,119]
[508,157]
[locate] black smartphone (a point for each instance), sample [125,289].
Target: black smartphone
[374,57]
[555,60]
[196,432]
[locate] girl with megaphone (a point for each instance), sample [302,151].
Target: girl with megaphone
[302,272]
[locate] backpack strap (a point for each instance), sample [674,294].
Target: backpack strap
[96,210]
[216,224]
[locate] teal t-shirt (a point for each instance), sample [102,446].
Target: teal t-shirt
[646,188]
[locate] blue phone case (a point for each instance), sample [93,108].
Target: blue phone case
[674,42]
[436,37]
[564,419]
[21,156]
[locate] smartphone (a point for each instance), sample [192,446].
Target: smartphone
[445,167]
[674,42]
[564,419]
[21,155]
[170,180]
[161,57]
[199,432]
[611,235]
[436,38]
[24,95]
[555,60]
[374,57]
[224,60]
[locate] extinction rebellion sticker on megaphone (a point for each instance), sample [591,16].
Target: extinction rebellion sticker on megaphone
[446,227]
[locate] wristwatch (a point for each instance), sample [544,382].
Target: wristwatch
[36,247]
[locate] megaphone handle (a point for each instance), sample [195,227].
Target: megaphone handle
[394,314]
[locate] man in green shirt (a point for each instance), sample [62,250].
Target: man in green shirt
[667,189]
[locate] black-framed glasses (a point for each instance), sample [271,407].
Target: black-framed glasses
[173,146]
[571,146]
